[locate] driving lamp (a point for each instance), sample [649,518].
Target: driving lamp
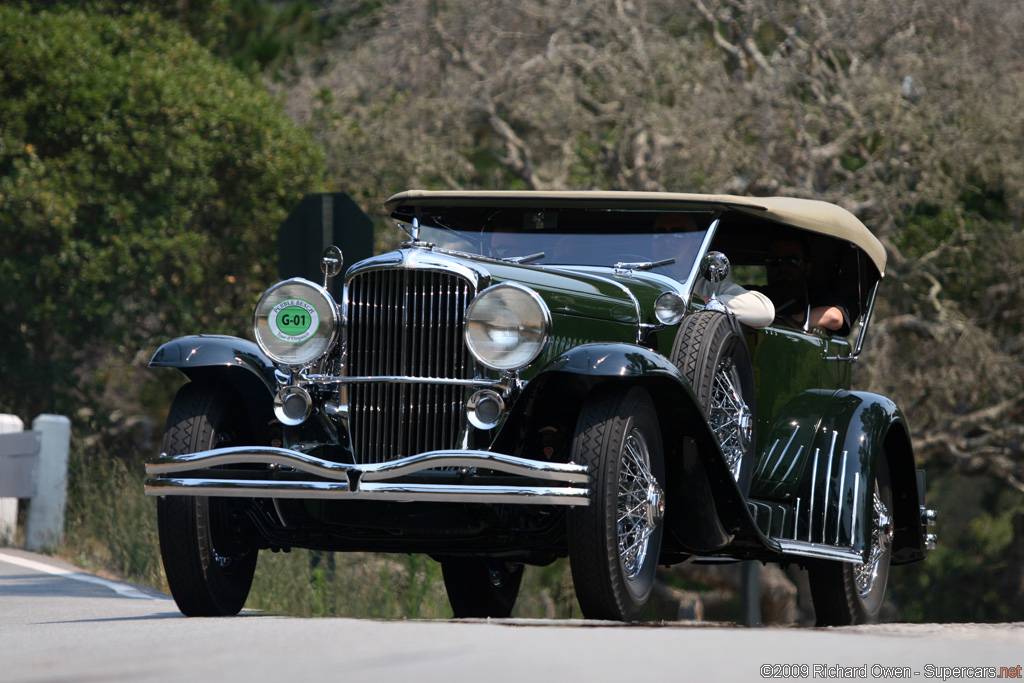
[296,322]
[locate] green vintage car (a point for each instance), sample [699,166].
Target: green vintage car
[535,375]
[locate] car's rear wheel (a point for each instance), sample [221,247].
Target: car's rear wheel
[845,593]
[480,587]
[615,541]
[207,559]
[712,355]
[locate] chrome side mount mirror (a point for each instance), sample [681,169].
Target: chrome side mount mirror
[331,262]
[714,268]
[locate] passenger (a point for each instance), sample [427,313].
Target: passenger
[788,270]
[750,307]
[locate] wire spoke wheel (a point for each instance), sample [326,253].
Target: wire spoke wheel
[636,488]
[865,575]
[730,418]
[846,593]
[614,542]
[711,353]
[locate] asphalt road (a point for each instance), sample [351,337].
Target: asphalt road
[58,624]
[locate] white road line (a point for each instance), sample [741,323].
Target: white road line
[121,589]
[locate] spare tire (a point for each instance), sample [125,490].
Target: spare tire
[712,354]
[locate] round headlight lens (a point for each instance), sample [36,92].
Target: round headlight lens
[507,326]
[296,322]
[669,308]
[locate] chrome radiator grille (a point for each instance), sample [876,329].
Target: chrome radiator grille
[407,323]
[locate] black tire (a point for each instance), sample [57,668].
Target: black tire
[846,594]
[209,564]
[481,588]
[613,562]
[712,355]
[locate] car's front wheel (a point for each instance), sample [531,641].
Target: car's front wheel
[845,593]
[614,542]
[208,562]
[480,587]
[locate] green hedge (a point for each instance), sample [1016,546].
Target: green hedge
[142,181]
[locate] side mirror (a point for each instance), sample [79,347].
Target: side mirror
[714,268]
[331,262]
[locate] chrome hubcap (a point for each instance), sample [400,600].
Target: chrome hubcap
[729,416]
[641,504]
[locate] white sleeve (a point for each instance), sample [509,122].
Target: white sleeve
[750,308]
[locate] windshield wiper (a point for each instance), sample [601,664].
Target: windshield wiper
[524,259]
[643,265]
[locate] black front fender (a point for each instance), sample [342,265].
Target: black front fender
[698,479]
[198,353]
[236,363]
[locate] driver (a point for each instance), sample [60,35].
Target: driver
[750,307]
[787,270]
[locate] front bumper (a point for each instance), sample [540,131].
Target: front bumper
[191,474]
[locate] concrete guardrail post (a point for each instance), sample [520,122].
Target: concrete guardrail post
[44,524]
[9,506]
[34,465]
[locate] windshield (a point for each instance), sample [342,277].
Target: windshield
[572,236]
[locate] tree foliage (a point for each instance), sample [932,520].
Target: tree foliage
[141,184]
[907,114]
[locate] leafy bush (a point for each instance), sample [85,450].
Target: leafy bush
[142,181]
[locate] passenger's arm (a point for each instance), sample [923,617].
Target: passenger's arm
[750,308]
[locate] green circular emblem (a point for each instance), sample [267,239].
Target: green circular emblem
[294,320]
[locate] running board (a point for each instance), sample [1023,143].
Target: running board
[819,551]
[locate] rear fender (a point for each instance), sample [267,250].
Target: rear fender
[824,454]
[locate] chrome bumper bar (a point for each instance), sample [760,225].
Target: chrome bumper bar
[346,481]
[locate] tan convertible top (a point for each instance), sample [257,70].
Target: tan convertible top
[808,214]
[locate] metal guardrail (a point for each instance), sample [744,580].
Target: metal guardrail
[34,466]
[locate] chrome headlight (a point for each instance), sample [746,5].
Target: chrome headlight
[296,322]
[507,326]
[669,308]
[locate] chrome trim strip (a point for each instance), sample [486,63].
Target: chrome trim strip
[570,473]
[810,503]
[796,517]
[420,257]
[782,455]
[856,507]
[767,459]
[826,552]
[455,493]
[400,379]
[828,481]
[792,464]
[842,494]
